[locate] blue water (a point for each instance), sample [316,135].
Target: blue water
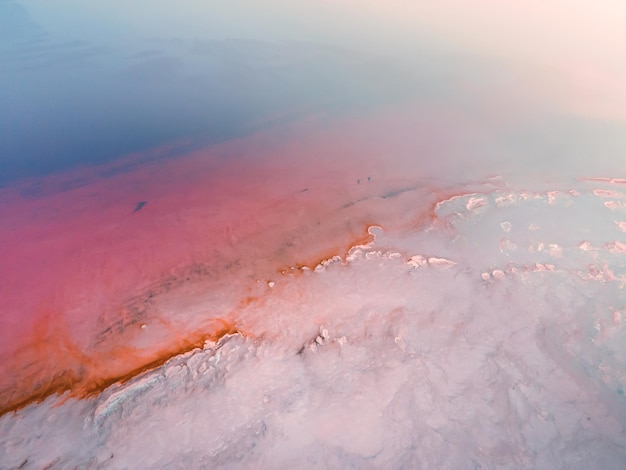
[70,99]
[85,83]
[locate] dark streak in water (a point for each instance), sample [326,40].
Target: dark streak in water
[388,195]
[140,205]
[397,193]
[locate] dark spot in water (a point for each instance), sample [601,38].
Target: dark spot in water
[140,205]
[358,181]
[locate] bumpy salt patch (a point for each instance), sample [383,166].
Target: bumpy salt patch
[381,361]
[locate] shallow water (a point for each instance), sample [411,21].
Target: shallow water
[312,235]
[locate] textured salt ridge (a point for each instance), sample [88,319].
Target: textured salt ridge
[400,353]
[152,326]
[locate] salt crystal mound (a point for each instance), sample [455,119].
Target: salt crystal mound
[491,336]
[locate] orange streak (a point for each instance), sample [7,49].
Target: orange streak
[87,379]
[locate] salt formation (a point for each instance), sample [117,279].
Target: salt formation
[491,336]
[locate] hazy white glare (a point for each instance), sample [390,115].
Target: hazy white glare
[570,51]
